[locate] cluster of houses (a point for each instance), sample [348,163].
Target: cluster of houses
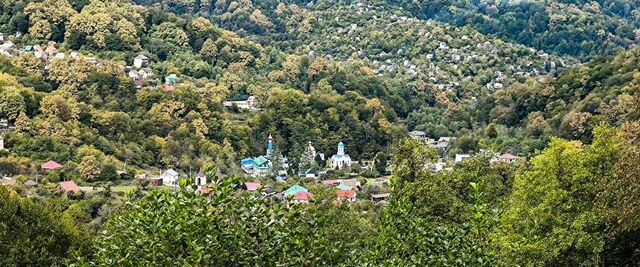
[346,189]
[140,72]
[47,51]
[443,143]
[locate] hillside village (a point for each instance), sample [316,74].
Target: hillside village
[319,133]
[339,172]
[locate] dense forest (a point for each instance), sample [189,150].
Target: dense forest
[116,92]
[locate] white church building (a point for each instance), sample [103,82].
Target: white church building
[340,160]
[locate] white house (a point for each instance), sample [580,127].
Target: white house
[462,157]
[340,160]
[133,74]
[170,178]
[419,135]
[508,158]
[439,166]
[140,60]
[248,104]
[145,72]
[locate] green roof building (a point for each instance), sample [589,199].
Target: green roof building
[294,190]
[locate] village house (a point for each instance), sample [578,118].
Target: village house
[31,183]
[7,49]
[330,182]
[145,73]
[418,135]
[50,165]
[346,195]
[38,51]
[170,178]
[379,197]
[133,74]
[68,186]
[439,166]
[302,197]
[51,49]
[259,166]
[309,174]
[462,158]
[155,181]
[91,60]
[294,189]
[59,56]
[247,104]
[140,61]
[167,87]
[354,183]
[252,186]
[507,158]
[151,181]
[171,79]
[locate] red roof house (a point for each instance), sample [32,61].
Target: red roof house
[302,197]
[252,186]
[169,88]
[50,165]
[51,48]
[68,186]
[348,195]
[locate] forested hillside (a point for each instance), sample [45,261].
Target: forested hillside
[574,27]
[364,133]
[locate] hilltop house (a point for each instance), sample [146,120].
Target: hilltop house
[340,160]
